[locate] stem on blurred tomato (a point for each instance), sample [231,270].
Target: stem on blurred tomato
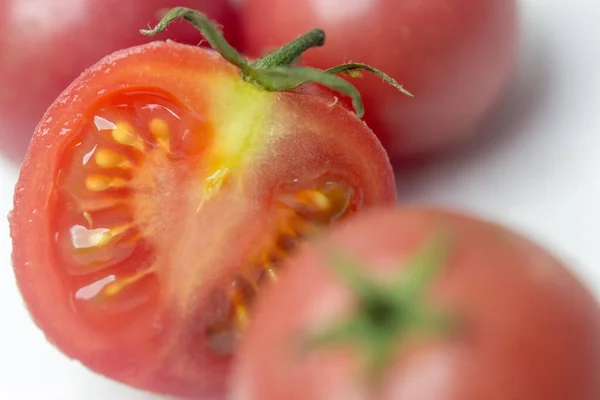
[387,314]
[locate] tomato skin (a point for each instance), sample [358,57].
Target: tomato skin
[3,17]
[530,329]
[48,44]
[159,358]
[455,56]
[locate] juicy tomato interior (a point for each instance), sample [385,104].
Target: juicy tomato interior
[128,184]
[161,208]
[118,182]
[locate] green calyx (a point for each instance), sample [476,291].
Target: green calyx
[387,314]
[276,71]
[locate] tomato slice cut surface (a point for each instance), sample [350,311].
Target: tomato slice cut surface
[160,193]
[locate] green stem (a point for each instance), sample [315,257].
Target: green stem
[351,270]
[280,79]
[347,69]
[275,72]
[426,264]
[290,52]
[387,313]
[207,28]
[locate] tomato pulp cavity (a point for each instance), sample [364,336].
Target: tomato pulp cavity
[160,192]
[494,317]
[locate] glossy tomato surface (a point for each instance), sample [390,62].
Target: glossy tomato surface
[159,193]
[47,43]
[455,56]
[527,329]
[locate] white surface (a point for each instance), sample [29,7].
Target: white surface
[538,171]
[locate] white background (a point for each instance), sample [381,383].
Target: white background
[537,170]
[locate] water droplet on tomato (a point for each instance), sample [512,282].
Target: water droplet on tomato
[87,156]
[92,290]
[102,124]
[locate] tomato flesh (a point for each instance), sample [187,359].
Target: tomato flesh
[160,193]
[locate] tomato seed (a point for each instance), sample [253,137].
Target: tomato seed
[124,134]
[160,130]
[107,158]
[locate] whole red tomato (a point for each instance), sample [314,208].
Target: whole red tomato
[48,43]
[455,56]
[497,318]
[159,193]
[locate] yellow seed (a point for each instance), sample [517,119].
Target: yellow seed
[241,315]
[321,201]
[288,226]
[103,238]
[98,183]
[113,289]
[107,236]
[106,158]
[125,134]
[315,199]
[117,286]
[288,229]
[160,129]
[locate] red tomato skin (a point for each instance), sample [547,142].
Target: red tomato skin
[48,44]
[533,330]
[3,18]
[455,56]
[142,363]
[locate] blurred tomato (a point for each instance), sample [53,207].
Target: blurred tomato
[527,329]
[455,56]
[48,43]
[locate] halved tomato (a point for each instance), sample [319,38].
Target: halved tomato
[159,192]
[484,315]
